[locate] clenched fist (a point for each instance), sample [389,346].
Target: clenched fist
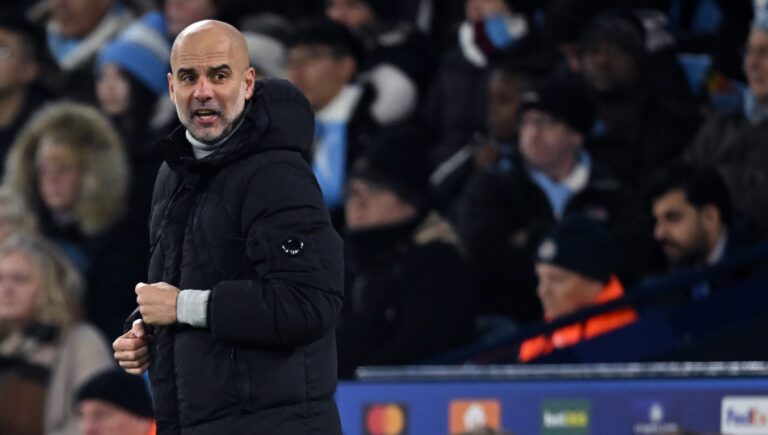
[157,302]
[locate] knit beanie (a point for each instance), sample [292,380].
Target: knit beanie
[326,33]
[142,51]
[566,100]
[581,245]
[397,159]
[621,28]
[120,389]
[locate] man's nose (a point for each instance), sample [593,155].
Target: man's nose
[203,91]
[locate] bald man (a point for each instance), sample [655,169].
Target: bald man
[245,276]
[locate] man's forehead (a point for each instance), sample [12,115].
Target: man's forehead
[209,41]
[191,53]
[673,199]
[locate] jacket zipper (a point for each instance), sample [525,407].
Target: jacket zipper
[241,378]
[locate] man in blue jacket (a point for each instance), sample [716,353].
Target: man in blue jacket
[246,270]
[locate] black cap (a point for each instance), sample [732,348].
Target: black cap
[329,34]
[619,27]
[581,245]
[566,100]
[397,159]
[121,389]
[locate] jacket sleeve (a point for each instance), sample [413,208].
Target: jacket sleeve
[297,256]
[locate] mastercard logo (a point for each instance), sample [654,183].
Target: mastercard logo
[385,419]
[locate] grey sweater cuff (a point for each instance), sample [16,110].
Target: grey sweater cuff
[192,307]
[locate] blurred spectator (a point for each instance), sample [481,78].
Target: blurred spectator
[132,90]
[266,35]
[132,83]
[737,143]
[505,213]
[394,247]
[69,166]
[455,106]
[509,76]
[21,47]
[397,60]
[323,58]
[45,352]
[115,403]
[76,31]
[642,122]
[565,21]
[694,220]
[575,264]
[15,216]
[181,13]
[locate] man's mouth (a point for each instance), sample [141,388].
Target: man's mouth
[205,115]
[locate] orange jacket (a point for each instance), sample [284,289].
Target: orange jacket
[570,335]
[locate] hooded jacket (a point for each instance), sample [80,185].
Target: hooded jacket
[248,223]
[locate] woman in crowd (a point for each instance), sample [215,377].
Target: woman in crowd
[69,166]
[46,353]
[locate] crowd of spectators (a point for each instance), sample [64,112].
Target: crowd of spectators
[490,164]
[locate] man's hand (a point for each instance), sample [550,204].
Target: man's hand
[132,349]
[157,302]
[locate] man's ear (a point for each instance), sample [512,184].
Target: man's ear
[347,68]
[170,86]
[710,216]
[250,82]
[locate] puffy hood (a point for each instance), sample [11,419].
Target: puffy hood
[278,116]
[89,134]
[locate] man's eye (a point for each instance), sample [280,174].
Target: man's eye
[220,76]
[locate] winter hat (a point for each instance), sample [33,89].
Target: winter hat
[141,50]
[566,100]
[581,245]
[397,159]
[327,33]
[121,389]
[622,28]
